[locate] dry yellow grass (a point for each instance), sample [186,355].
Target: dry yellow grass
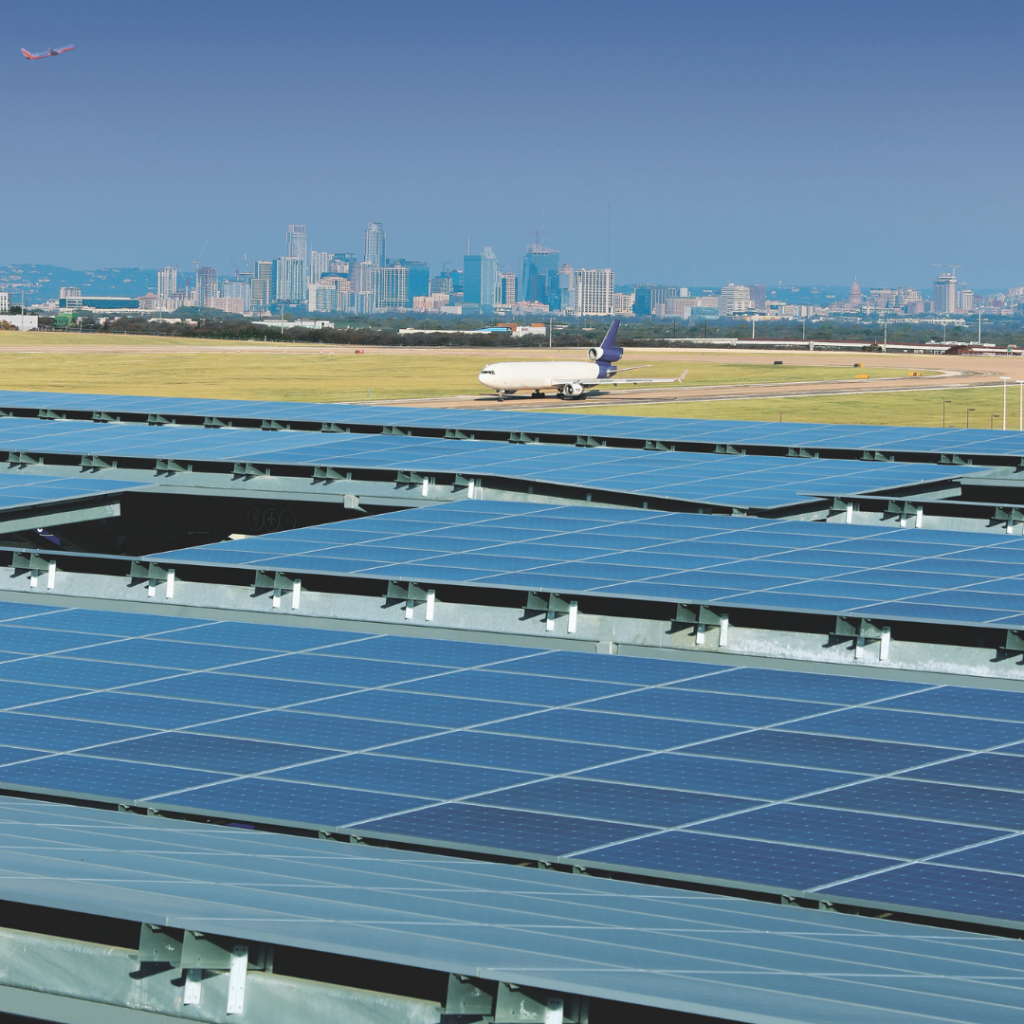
[127,364]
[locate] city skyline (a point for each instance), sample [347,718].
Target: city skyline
[737,142]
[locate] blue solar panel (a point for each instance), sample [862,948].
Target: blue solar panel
[756,481]
[966,805]
[661,808]
[993,771]
[328,731]
[860,833]
[762,864]
[293,802]
[541,754]
[718,775]
[742,562]
[95,777]
[960,891]
[466,825]
[403,776]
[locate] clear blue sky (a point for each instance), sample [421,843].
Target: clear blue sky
[717,141]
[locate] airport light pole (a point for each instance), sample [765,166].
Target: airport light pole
[948,401]
[1020,420]
[969,411]
[1004,380]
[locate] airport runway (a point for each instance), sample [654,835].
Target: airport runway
[943,372]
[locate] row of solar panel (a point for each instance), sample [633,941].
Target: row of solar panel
[641,945]
[23,491]
[744,481]
[812,567]
[807,435]
[760,778]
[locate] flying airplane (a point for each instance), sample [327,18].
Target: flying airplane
[51,52]
[569,379]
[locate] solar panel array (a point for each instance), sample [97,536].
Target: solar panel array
[909,440]
[27,491]
[736,959]
[730,561]
[857,789]
[736,480]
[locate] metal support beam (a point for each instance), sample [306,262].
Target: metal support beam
[278,584]
[504,1003]
[152,575]
[77,982]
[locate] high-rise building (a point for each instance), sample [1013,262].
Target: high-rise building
[540,271]
[735,298]
[319,263]
[944,293]
[419,277]
[263,289]
[240,288]
[595,291]
[506,295]
[855,295]
[566,288]
[297,248]
[166,282]
[391,287]
[360,276]
[480,279]
[206,286]
[291,280]
[965,300]
[373,244]
[758,296]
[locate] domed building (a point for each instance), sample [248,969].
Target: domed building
[855,299]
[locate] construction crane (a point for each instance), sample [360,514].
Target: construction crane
[952,266]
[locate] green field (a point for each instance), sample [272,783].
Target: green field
[903,408]
[254,370]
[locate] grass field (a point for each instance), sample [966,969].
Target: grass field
[902,408]
[255,370]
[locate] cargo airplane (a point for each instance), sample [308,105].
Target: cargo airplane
[569,379]
[51,52]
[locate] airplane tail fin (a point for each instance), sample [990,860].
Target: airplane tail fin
[608,352]
[26,53]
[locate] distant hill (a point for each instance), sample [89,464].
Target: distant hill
[42,281]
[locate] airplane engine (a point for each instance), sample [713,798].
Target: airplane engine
[572,390]
[605,355]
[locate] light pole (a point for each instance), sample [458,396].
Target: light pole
[948,401]
[969,411]
[1020,420]
[1004,380]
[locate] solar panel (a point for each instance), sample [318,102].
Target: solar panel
[809,436]
[650,945]
[754,481]
[754,778]
[732,561]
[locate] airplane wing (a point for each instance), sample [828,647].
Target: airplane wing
[62,49]
[35,56]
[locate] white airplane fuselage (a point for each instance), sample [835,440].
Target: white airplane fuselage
[540,376]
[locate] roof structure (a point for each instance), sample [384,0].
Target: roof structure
[721,480]
[902,443]
[696,953]
[870,792]
[731,562]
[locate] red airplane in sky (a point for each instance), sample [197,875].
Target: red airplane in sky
[51,52]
